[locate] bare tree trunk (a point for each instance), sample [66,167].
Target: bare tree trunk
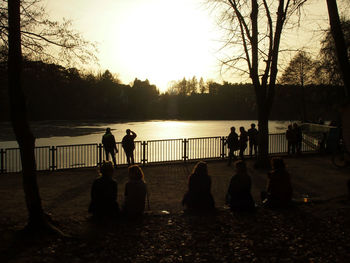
[340,45]
[24,137]
[263,149]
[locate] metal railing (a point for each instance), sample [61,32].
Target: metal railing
[154,151]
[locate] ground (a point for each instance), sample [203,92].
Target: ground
[316,231]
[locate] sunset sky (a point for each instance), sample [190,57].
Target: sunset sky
[165,40]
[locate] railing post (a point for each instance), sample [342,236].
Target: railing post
[2,161]
[185,149]
[222,147]
[143,153]
[99,161]
[53,164]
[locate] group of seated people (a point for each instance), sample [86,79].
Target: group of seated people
[198,197]
[104,193]
[278,193]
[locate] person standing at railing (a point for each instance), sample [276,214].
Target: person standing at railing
[253,140]
[243,139]
[110,146]
[291,139]
[298,137]
[129,145]
[232,144]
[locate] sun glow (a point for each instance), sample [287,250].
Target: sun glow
[164,41]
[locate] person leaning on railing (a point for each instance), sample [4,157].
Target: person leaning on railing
[110,146]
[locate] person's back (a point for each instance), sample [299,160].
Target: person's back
[128,141]
[108,141]
[198,196]
[253,135]
[135,197]
[135,192]
[279,188]
[239,196]
[104,192]
[232,140]
[243,137]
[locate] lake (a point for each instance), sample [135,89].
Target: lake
[53,133]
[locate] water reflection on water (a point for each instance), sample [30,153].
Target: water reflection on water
[91,132]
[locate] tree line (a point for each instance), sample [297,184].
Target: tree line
[54,92]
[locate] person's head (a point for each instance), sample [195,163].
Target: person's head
[106,168]
[295,125]
[277,163]
[241,167]
[136,173]
[252,125]
[233,129]
[241,129]
[200,169]
[290,127]
[108,130]
[128,131]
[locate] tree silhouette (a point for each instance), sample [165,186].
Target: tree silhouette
[327,70]
[44,39]
[26,141]
[340,44]
[300,71]
[255,27]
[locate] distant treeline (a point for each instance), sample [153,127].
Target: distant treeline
[54,93]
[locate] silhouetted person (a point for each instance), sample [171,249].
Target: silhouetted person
[104,193]
[298,137]
[232,144]
[243,139]
[253,140]
[129,145]
[198,197]
[279,188]
[135,193]
[322,143]
[238,195]
[109,145]
[291,139]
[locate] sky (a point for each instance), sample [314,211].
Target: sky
[165,40]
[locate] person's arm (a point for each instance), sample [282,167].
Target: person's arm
[134,135]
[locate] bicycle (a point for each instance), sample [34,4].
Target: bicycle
[341,157]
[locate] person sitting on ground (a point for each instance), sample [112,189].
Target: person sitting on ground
[135,193]
[279,188]
[104,193]
[238,195]
[198,197]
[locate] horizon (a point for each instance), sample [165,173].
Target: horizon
[133,44]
